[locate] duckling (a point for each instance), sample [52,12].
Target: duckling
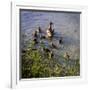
[51,54]
[53,45]
[66,56]
[35,34]
[23,51]
[39,30]
[46,49]
[42,37]
[35,41]
[61,40]
[34,49]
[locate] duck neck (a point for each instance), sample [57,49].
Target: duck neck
[50,27]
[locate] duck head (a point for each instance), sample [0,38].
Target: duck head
[51,23]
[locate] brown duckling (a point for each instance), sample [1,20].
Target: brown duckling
[51,54]
[42,37]
[61,40]
[39,30]
[46,49]
[35,34]
[35,41]
[34,49]
[23,51]
[53,45]
[66,56]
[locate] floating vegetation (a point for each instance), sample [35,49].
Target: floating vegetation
[36,64]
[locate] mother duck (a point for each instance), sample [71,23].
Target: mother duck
[50,30]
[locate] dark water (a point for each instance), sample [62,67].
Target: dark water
[66,25]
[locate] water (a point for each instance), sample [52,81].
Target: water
[66,24]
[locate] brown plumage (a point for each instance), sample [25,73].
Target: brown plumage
[39,30]
[42,37]
[35,41]
[51,54]
[34,49]
[61,40]
[23,51]
[53,45]
[46,49]
[35,34]
[66,56]
[50,30]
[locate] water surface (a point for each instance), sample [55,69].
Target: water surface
[66,24]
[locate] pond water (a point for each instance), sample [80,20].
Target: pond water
[66,25]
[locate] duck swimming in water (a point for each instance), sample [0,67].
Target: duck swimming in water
[46,49]
[35,41]
[51,54]
[66,56]
[39,30]
[61,40]
[35,34]
[50,30]
[53,45]
[42,37]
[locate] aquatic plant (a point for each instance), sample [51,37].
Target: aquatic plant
[35,65]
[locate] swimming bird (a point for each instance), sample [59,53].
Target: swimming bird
[42,37]
[61,40]
[46,49]
[39,30]
[53,45]
[35,41]
[35,34]
[51,54]
[50,27]
[66,56]
[23,51]
[50,30]
[34,49]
